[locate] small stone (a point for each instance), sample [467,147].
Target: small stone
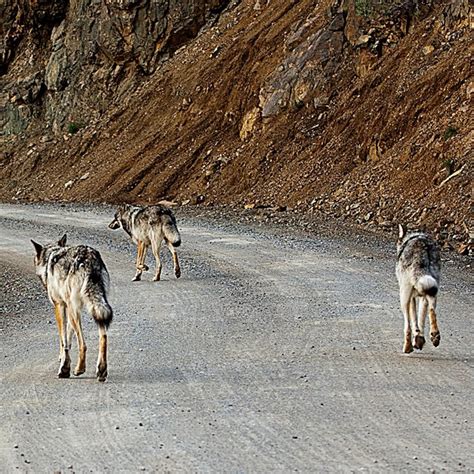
[428,50]
[363,40]
[215,51]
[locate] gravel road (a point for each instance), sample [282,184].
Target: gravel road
[272,353]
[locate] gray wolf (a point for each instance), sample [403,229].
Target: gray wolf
[418,272]
[75,277]
[149,226]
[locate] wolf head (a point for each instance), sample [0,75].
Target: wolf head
[404,235]
[42,254]
[117,222]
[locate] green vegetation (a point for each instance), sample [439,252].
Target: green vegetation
[364,7]
[449,166]
[372,8]
[450,132]
[73,127]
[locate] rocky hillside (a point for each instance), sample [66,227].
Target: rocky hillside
[356,109]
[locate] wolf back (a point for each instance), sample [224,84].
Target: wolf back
[73,272]
[419,260]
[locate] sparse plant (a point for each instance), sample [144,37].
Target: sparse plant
[73,127]
[450,132]
[363,7]
[449,166]
[373,8]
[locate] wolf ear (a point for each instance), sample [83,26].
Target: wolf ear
[38,247]
[62,241]
[401,231]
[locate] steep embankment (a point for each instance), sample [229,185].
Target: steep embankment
[330,108]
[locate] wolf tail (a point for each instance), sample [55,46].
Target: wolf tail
[102,313]
[96,290]
[427,285]
[170,230]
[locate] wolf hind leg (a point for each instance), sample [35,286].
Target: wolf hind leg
[140,263]
[435,335]
[420,338]
[76,325]
[101,372]
[174,254]
[59,323]
[65,360]
[417,338]
[155,247]
[405,303]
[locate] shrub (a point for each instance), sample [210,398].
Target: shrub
[73,128]
[450,132]
[363,7]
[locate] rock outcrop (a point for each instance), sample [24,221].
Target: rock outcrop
[67,62]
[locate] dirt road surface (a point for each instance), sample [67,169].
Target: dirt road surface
[271,353]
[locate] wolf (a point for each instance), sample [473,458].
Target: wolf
[149,226]
[418,272]
[75,277]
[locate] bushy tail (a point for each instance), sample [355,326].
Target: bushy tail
[170,230]
[102,313]
[427,285]
[96,290]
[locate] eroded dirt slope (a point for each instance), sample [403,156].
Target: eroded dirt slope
[324,108]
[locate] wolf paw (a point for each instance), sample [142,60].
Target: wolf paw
[407,348]
[137,278]
[435,338]
[419,342]
[101,374]
[177,272]
[64,372]
[156,278]
[79,371]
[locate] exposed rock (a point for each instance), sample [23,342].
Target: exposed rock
[375,153]
[248,123]
[307,67]
[428,49]
[100,49]
[363,40]
[458,14]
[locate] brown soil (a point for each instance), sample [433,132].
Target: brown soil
[395,127]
